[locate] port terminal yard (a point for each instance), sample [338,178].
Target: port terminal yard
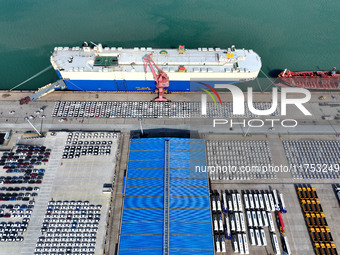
[61,186]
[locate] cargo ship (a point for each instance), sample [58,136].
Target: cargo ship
[98,68]
[313,80]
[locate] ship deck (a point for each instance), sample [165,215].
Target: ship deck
[131,60]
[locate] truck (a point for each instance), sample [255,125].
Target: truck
[240,243]
[246,201]
[252,236]
[225,205]
[263,237]
[245,244]
[275,244]
[230,204]
[213,204]
[265,219]
[243,224]
[271,201]
[217,244]
[234,202]
[259,218]
[256,200]
[219,208]
[220,224]
[286,246]
[237,221]
[249,219]
[276,201]
[337,190]
[251,201]
[215,224]
[223,245]
[239,202]
[227,228]
[261,201]
[271,223]
[258,237]
[232,223]
[283,205]
[253,214]
[235,244]
[266,200]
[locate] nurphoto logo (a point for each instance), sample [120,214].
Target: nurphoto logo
[238,105]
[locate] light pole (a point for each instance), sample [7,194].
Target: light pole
[140,125]
[36,130]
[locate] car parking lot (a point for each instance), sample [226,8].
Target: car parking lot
[232,158]
[95,109]
[313,159]
[81,144]
[70,206]
[69,227]
[20,188]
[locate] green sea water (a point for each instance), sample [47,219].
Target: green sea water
[294,34]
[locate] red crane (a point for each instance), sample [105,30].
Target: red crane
[281,224]
[162,79]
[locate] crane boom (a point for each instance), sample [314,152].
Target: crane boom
[162,79]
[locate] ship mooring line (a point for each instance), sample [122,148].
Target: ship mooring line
[76,85]
[32,77]
[258,84]
[272,82]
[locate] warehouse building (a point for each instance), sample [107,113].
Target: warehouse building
[166,204]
